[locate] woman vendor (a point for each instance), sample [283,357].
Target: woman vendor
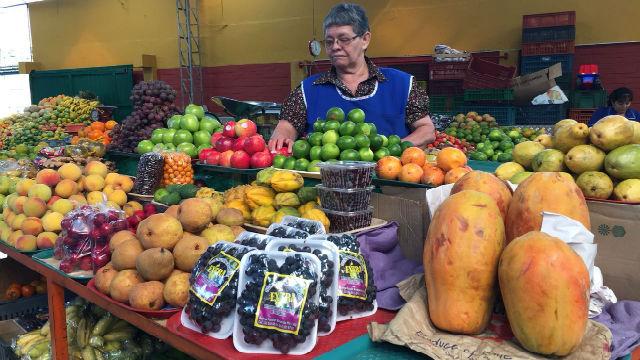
[619,104]
[390,98]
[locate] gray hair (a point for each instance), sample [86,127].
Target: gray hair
[347,14]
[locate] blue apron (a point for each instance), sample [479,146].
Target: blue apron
[385,107]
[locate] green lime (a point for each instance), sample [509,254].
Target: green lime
[364,129]
[278,161]
[346,142]
[318,125]
[290,163]
[395,150]
[356,115]
[301,149]
[313,167]
[405,145]
[330,151]
[505,144]
[362,141]
[331,125]
[394,139]
[335,114]
[301,165]
[349,155]
[315,139]
[480,146]
[488,151]
[494,157]
[385,140]
[347,128]
[481,156]
[495,144]
[366,154]
[330,137]
[374,128]
[376,142]
[495,135]
[315,153]
[380,153]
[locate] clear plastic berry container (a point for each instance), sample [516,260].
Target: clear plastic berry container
[346,174]
[345,199]
[342,221]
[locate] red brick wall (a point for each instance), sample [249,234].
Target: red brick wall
[618,64]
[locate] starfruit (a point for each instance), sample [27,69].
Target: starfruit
[259,196]
[286,199]
[262,215]
[286,181]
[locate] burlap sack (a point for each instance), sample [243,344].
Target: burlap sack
[412,328]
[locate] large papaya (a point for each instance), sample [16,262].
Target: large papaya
[545,290]
[544,191]
[486,183]
[461,254]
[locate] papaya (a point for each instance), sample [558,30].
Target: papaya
[544,191]
[461,253]
[545,289]
[486,183]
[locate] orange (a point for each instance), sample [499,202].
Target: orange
[110,124]
[413,155]
[454,174]
[450,158]
[389,167]
[433,176]
[97,125]
[411,173]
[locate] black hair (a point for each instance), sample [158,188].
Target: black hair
[622,94]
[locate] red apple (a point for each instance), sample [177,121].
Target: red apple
[229,129]
[215,138]
[261,160]
[245,128]
[254,144]
[238,144]
[213,158]
[224,143]
[240,160]
[203,154]
[225,158]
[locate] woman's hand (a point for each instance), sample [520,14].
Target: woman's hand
[284,135]
[424,132]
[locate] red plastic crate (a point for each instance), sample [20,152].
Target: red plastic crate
[483,74]
[549,19]
[448,70]
[445,87]
[549,47]
[581,115]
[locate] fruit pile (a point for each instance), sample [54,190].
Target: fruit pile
[481,228]
[444,140]
[175,193]
[277,193]
[80,154]
[176,169]
[16,291]
[33,213]
[153,103]
[238,146]
[414,166]
[96,131]
[188,133]
[604,158]
[334,138]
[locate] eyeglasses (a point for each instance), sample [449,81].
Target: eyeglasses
[342,42]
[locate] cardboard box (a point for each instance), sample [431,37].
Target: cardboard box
[617,233]
[526,87]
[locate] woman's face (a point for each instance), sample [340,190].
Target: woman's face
[344,47]
[621,106]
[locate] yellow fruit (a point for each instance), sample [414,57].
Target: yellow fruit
[240,205]
[319,215]
[118,196]
[308,206]
[286,199]
[95,197]
[262,215]
[259,196]
[286,181]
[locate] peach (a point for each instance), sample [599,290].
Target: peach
[7,210]
[46,240]
[8,219]
[53,199]
[94,182]
[62,206]
[40,191]
[111,178]
[81,184]
[108,189]
[95,197]
[17,221]
[13,237]
[48,177]
[23,186]
[26,243]
[9,201]
[70,171]
[35,207]
[5,231]
[78,199]
[118,196]
[124,182]
[32,226]
[66,188]
[130,207]
[96,168]
[51,221]
[112,204]
[18,204]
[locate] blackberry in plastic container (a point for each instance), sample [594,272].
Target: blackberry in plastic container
[312,227]
[148,174]
[286,232]
[345,199]
[207,316]
[346,221]
[346,174]
[258,241]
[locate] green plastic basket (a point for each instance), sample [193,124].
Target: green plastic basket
[440,104]
[495,95]
[588,99]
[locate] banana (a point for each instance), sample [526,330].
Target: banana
[33,344]
[80,333]
[46,329]
[39,349]
[88,353]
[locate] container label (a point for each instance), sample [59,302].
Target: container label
[282,300]
[353,277]
[214,277]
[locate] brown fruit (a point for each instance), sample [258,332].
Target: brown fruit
[176,289]
[237,230]
[194,215]
[103,278]
[188,250]
[120,237]
[124,256]
[159,230]
[147,295]
[122,284]
[155,264]
[230,217]
[173,211]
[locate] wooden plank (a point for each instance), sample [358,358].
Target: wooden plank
[57,320]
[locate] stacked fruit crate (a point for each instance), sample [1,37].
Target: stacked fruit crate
[548,39]
[445,84]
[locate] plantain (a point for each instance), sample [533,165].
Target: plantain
[102,326]
[81,333]
[88,353]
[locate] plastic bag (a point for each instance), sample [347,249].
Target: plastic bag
[148,174]
[177,168]
[555,95]
[258,241]
[286,232]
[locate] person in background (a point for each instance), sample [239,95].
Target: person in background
[619,104]
[390,98]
